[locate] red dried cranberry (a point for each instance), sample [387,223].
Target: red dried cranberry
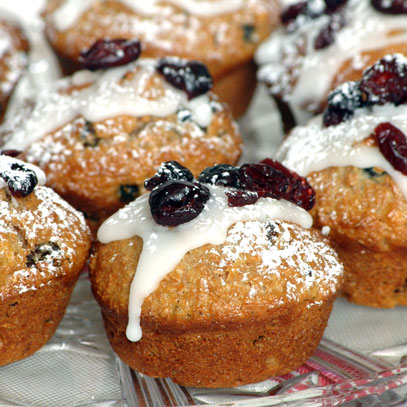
[386,81]
[176,202]
[167,171]
[221,174]
[20,180]
[334,5]
[238,197]
[393,145]
[390,6]
[190,76]
[10,152]
[292,12]
[109,53]
[326,36]
[342,103]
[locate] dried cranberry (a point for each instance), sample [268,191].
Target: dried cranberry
[386,81]
[20,180]
[10,152]
[167,171]
[393,145]
[390,6]
[176,202]
[109,53]
[190,76]
[221,174]
[292,12]
[238,197]
[334,5]
[326,36]
[342,103]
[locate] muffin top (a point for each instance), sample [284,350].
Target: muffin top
[41,236]
[13,60]
[220,33]
[317,39]
[239,250]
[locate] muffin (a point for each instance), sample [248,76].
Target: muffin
[44,244]
[223,34]
[99,135]
[215,282]
[355,157]
[322,44]
[13,60]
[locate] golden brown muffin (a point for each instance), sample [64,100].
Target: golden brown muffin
[44,244]
[13,60]
[252,305]
[223,36]
[354,156]
[321,46]
[98,136]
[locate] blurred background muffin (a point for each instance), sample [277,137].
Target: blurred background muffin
[99,135]
[355,157]
[323,43]
[223,34]
[216,282]
[44,244]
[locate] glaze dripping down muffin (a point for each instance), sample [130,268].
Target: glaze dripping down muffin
[355,157]
[199,272]
[44,244]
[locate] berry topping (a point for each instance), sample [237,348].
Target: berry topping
[393,145]
[334,5]
[342,102]
[292,12]
[190,76]
[20,180]
[176,202]
[168,171]
[386,81]
[10,152]
[105,54]
[327,34]
[221,174]
[390,6]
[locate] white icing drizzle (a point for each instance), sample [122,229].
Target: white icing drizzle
[314,147]
[365,29]
[65,16]
[164,247]
[105,97]
[7,161]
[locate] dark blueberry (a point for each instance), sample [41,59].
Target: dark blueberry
[105,54]
[272,179]
[342,103]
[190,76]
[386,81]
[10,152]
[292,12]
[392,143]
[128,193]
[390,6]
[88,135]
[176,202]
[239,197]
[221,174]
[167,171]
[327,35]
[21,180]
[248,32]
[41,252]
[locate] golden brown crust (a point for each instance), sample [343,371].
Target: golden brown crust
[13,60]
[215,299]
[44,245]
[366,213]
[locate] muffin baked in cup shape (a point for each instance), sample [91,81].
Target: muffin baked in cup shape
[223,34]
[221,287]
[44,244]
[99,135]
[355,157]
[323,43]
[13,60]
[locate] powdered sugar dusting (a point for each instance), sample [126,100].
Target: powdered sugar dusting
[290,63]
